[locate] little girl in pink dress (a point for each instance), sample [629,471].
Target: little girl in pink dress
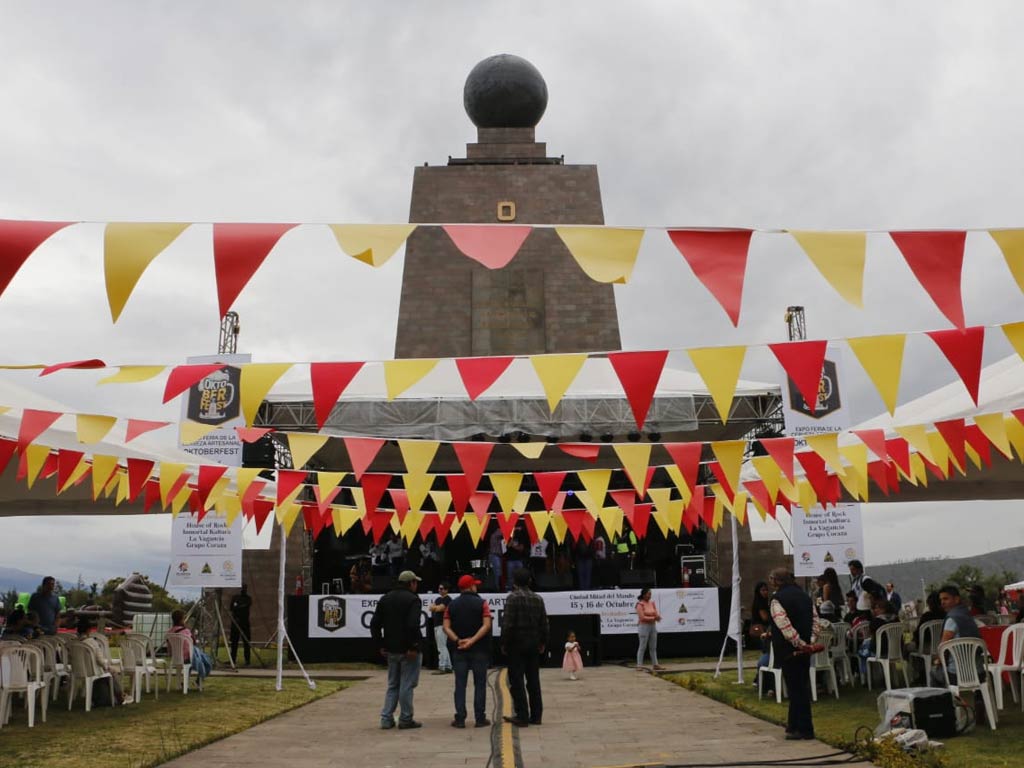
[572,662]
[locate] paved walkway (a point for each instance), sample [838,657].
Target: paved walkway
[613,716]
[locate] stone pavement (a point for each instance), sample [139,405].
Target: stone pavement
[613,716]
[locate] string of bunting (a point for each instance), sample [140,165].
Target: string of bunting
[717,257]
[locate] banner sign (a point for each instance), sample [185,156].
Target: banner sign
[826,538]
[831,411]
[206,553]
[216,400]
[682,610]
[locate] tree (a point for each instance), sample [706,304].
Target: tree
[967,576]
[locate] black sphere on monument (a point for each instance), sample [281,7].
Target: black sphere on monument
[505,91]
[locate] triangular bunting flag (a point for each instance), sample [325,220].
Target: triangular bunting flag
[328,382]
[479,373]
[759,494]
[993,427]
[35,456]
[606,254]
[139,471]
[18,240]
[686,457]
[875,440]
[460,492]
[506,486]
[328,482]
[91,429]
[77,365]
[493,245]
[128,248]
[839,257]
[581,450]
[936,259]
[596,482]
[529,450]
[67,463]
[303,446]
[639,373]
[549,484]
[184,376]
[289,483]
[256,381]
[103,468]
[373,487]
[418,454]
[803,362]
[641,519]
[133,374]
[209,476]
[899,454]
[417,487]
[442,501]
[252,434]
[963,350]
[34,423]
[399,375]
[238,251]
[361,453]
[324,499]
[917,436]
[718,258]
[473,458]
[826,445]
[719,367]
[882,360]
[1011,243]
[139,427]
[556,374]
[635,458]
[192,431]
[1015,335]
[769,473]
[372,244]
[730,456]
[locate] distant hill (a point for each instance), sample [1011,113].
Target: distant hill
[907,576]
[22,581]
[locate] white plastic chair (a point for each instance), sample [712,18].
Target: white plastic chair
[929,633]
[966,653]
[114,666]
[21,671]
[837,651]
[776,673]
[1011,646]
[85,671]
[54,671]
[136,665]
[888,651]
[179,646]
[822,663]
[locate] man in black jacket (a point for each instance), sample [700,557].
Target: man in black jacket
[397,618]
[467,623]
[794,634]
[524,634]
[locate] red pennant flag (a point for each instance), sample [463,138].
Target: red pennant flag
[817,475]
[427,524]
[531,530]
[899,451]
[459,489]
[195,507]
[400,501]
[361,453]
[695,508]
[977,440]
[507,526]
[139,471]
[442,527]
[261,509]
[323,502]
[589,527]
[639,373]
[479,373]
[138,427]
[709,511]
[251,494]
[18,240]
[641,519]
[480,501]
[935,470]
[379,523]
[719,473]
[937,260]
[893,476]
[493,245]
[313,520]
[473,459]
[686,457]
[584,451]
[184,376]
[33,424]
[7,449]
[783,501]
[718,258]
[76,364]
[209,474]
[152,495]
[574,521]
[875,440]
[549,484]
[954,433]
[252,434]
[238,251]
[328,382]
[287,481]
[49,467]
[878,471]
[373,486]
[803,362]
[183,478]
[781,451]
[759,493]
[963,349]
[626,501]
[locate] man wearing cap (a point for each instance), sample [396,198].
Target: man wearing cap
[395,628]
[467,623]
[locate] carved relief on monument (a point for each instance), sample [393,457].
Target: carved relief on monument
[508,312]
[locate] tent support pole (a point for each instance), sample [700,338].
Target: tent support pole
[282,634]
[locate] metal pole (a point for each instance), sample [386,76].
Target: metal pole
[280,611]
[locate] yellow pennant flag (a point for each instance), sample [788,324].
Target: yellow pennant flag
[661,521]
[788,489]
[730,455]
[4,409]
[256,381]
[606,254]
[1015,335]
[1015,434]
[35,456]
[359,499]
[556,374]
[218,491]
[103,468]
[671,508]
[180,500]
[442,502]
[739,507]
[418,454]
[541,521]
[193,431]
[133,374]
[769,473]
[635,458]
[411,526]
[917,469]
[558,526]
[993,426]
[399,375]
[521,503]
[719,367]
[855,479]
[611,520]
[344,518]
[417,487]
[826,445]
[475,527]
[232,508]
[112,483]
[288,514]
[91,429]
[1011,243]
[303,446]
[169,474]
[243,479]
[372,244]
[852,483]
[973,456]
[596,482]
[716,521]
[328,481]
[529,450]
[917,436]
[942,454]
[839,257]
[808,498]
[506,488]
[128,248]
[456,526]
[679,481]
[882,358]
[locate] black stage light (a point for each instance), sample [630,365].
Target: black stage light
[478,437]
[607,437]
[522,437]
[633,436]
[654,437]
[505,437]
[552,438]
[586,437]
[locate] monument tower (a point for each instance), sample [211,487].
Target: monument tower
[541,301]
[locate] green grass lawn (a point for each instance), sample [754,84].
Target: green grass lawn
[836,721]
[152,731]
[268,656]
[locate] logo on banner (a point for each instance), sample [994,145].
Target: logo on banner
[183,568]
[214,400]
[828,394]
[331,614]
[805,557]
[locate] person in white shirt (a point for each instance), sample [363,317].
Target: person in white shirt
[539,557]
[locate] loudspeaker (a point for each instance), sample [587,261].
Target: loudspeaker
[552,582]
[930,709]
[639,577]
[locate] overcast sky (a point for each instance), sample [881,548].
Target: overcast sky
[773,115]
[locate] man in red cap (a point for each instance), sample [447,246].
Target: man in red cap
[467,622]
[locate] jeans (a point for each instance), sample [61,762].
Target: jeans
[403,677]
[444,660]
[475,661]
[240,631]
[495,562]
[585,572]
[511,566]
[796,671]
[648,641]
[524,666]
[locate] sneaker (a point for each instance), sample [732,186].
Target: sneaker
[572,675]
[387,724]
[483,723]
[410,724]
